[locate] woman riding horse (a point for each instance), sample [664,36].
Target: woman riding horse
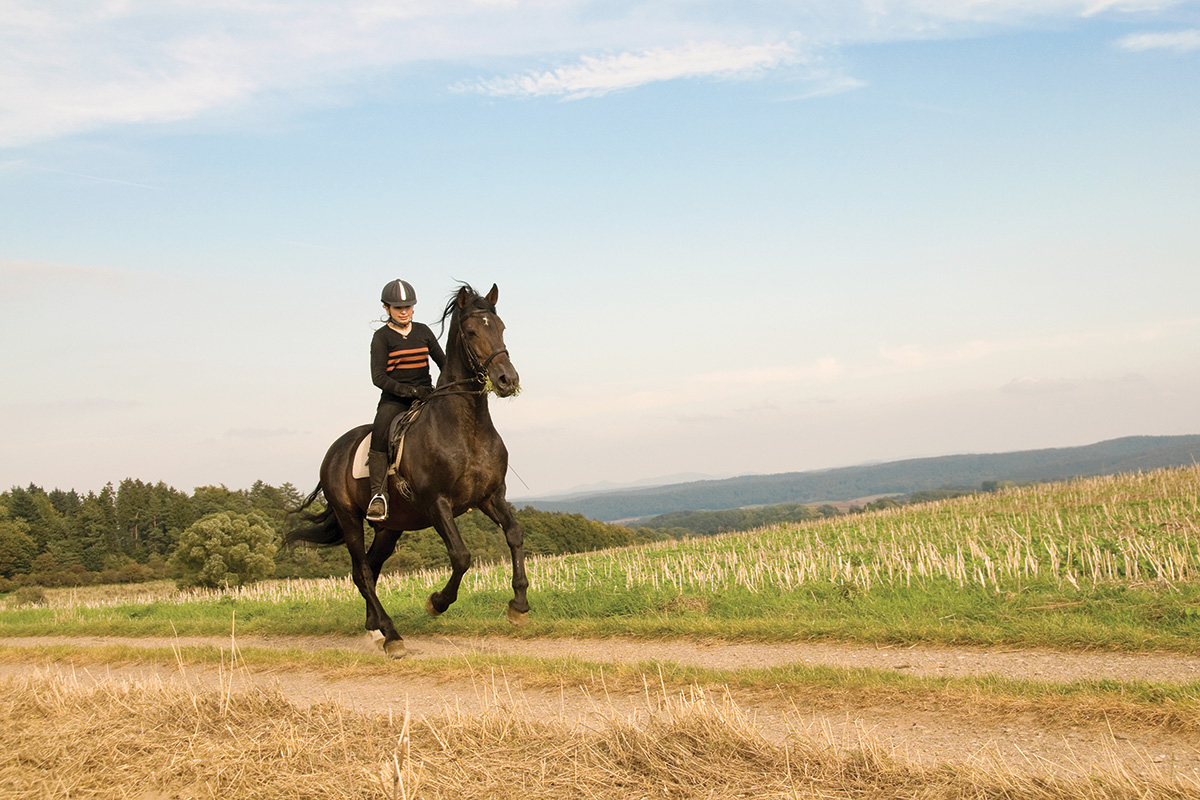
[453,460]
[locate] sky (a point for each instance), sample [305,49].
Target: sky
[729,237]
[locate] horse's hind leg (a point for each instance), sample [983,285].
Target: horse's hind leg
[498,509]
[460,558]
[365,576]
[381,550]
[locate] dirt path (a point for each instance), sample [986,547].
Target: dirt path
[913,734]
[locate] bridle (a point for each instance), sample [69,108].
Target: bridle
[478,367]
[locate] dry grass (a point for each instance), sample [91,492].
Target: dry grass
[152,742]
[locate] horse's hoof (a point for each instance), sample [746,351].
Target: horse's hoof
[429,609]
[518,618]
[376,638]
[395,648]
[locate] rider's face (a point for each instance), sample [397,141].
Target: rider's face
[401,315]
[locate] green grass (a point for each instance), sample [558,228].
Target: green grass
[1108,563]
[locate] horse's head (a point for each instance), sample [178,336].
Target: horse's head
[481,332]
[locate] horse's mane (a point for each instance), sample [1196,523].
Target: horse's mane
[474,298]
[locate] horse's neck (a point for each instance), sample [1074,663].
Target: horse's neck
[459,370]
[467,395]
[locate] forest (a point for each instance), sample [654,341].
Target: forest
[128,532]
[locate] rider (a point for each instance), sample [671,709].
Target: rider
[400,353]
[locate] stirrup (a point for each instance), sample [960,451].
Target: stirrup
[374,514]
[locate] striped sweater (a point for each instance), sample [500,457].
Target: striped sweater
[399,363]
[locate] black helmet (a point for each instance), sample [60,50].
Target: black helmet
[399,293]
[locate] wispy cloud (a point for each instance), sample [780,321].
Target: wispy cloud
[909,356]
[593,76]
[84,66]
[1180,41]
[1028,385]
[824,370]
[260,433]
[15,165]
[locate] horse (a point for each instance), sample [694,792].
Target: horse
[453,460]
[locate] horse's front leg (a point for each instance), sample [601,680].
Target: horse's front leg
[442,516]
[500,512]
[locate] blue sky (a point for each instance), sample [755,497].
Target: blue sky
[729,237]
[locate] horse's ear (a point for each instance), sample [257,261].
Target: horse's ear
[494,294]
[463,295]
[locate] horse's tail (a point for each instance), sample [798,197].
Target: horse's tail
[322,528]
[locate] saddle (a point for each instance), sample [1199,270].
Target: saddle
[400,424]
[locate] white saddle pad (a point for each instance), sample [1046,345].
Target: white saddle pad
[359,468]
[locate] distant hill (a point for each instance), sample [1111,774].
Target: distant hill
[1130,454]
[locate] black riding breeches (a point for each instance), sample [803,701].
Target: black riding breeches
[388,410]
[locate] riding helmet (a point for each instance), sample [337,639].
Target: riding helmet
[399,293]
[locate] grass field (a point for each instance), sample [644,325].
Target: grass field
[1098,563]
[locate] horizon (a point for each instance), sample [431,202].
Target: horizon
[647,484]
[729,238]
[609,487]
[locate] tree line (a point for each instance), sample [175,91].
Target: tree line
[129,533]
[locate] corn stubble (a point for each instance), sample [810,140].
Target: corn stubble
[152,741]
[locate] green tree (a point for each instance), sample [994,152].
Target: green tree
[211,499]
[65,502]
[95,529]
[275,503]
[151,516]
[17,548]
[225,548]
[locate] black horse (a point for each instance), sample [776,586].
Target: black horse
[454,460]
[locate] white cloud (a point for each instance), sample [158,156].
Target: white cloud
[1167,329]
[828,85]
[77,67]
[823,370]
[1178,40]
[74,66]
[910,356]
[261,433]
[1036,387]
[595,76]
[1029,385]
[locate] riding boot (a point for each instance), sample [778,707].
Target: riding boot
[377,465]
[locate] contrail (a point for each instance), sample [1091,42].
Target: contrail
[82,175]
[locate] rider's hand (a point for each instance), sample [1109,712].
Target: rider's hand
[424,391]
